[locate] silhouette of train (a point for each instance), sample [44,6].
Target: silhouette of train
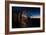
[21,20]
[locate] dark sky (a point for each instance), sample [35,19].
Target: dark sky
[30,10]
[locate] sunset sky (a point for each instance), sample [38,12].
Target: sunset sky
[30,11]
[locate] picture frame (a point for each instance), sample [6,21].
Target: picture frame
[8,14]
